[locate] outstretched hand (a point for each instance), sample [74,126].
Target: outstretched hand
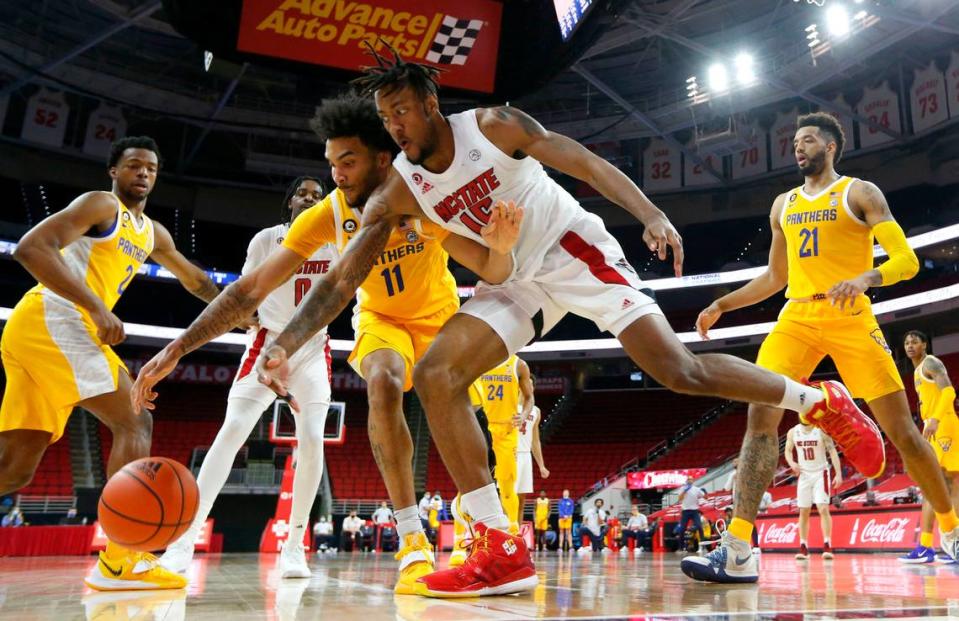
[502,231]
[273,371]
[142,395]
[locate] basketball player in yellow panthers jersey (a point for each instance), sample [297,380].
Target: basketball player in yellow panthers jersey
[56,345]
[507,394]
[822,253]
[940,427]
[402,304]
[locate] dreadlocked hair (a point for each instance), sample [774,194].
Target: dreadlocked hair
[348,116]
[285,212]
[390,75]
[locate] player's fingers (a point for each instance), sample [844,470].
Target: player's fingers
[520,214]
[676,243]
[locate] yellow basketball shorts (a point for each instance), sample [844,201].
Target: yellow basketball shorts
[410,338]
[542,523]
[565,523]
[807,332]
[53,360]
[946,444]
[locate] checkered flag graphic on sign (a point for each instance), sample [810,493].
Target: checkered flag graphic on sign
[454,40]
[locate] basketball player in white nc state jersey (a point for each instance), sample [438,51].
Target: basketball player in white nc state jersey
[309,381]
[452,170]
[814,485]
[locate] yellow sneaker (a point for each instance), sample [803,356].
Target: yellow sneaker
[416,560]
[134,571]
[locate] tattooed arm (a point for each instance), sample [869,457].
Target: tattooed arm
[337,287]
[518,134]
[233,306]
[326,298]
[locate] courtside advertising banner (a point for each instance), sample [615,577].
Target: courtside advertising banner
[652,479]
[461,38]
[866,530]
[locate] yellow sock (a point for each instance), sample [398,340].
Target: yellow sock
[925,540]
[114,551]
[740,529]
[947,521]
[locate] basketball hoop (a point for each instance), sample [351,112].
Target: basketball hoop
[283,425]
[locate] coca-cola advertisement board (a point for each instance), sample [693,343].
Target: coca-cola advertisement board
[865,530]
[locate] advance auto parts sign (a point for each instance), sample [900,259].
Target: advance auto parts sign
[461,38]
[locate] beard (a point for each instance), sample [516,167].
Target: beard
[427,149]
[814,165]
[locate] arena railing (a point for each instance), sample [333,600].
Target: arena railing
[45,504]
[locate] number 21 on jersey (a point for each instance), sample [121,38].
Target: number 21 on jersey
[809,242]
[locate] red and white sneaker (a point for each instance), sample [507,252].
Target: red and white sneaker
[498,564]
[803,553]
[856,435]
[826,552]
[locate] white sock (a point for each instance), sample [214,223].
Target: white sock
[802,542]
[309,465]
[241,417]
[408,521]
[799,397]
[483,505]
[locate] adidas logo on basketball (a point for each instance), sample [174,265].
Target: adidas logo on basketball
[150,468]
[510,547]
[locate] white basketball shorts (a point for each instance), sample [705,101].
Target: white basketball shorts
[585,273]
[814,488]
[309,380]
[524,473]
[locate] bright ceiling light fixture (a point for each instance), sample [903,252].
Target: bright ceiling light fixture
[745,74]
[718,78]
[837,20]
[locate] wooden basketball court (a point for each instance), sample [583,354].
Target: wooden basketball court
[241,587]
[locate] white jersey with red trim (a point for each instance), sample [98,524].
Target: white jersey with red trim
[811,447]
[277,309]
[460,198]
[525,443]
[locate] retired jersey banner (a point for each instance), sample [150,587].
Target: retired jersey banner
[460,38]
[653,479]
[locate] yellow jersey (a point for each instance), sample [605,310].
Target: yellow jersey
[929,393]
[825,241]
[542,509]
[408,281]
[499,390]
[108,261]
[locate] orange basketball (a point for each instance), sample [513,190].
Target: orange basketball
[148,503]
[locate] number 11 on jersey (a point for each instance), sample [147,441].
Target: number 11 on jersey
[389,277]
